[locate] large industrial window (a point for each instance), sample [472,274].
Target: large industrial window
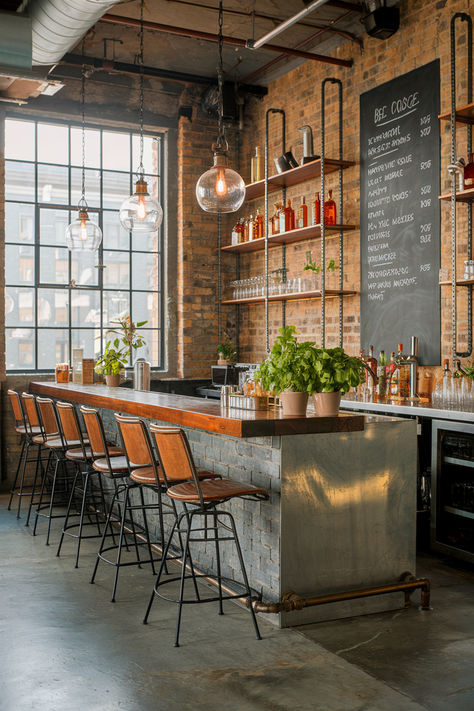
[57,300]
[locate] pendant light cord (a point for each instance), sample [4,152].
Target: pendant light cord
[141,169]
[221,143]
[82,201]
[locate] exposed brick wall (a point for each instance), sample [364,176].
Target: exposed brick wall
[424,35]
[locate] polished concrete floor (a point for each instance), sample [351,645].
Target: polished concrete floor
[64,646]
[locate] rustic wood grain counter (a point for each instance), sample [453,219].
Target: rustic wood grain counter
[197,412]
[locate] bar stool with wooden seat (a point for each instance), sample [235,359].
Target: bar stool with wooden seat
[92,498]
[27,429]
[117,469]
[59,481]
[139,452]
[32,420]
[200,498]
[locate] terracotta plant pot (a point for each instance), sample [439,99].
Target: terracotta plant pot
[113,381]
[327,404]
[294,404]
[221,361]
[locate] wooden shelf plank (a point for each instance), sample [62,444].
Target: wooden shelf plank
[299,235]
[464,115]
[461,196]
[296,296]
[459,282]
[295,176]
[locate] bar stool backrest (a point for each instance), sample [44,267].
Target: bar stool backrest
[96,434]
[175,456]
[17,408]
[136,441]
[48,417]
[30,410]
[70,426]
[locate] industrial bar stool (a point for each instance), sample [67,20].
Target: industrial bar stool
[201,498]
[59,480]
[27,429]
[139,452]
[32,420]
[117,469]
[92,498]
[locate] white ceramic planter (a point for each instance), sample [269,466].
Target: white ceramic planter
[327,404]
[294,404]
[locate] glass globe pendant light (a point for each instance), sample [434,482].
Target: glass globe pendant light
[220,189]
[140,213]
[83,234]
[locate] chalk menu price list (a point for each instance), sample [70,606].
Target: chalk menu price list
[400,214]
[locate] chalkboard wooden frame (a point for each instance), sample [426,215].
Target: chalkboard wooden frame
[400,242]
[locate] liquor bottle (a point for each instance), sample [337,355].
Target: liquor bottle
[258,226]
[372,363]
[291,217]
[382,375]
[282,218]
[275,221]
[446,387]
[256,166]
[316,211]
[245,230]
[469,172]
[330,211]
[250,235]
[235,234]
[302,214]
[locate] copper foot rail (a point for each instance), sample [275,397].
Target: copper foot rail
[407,583]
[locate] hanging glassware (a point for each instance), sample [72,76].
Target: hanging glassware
[220,189]
[83,235]
[139,213]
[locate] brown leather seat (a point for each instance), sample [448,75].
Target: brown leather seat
[22,430]
[145,475]
[115,466]
[214,490]
[76,454]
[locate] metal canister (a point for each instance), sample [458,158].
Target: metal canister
[141,374]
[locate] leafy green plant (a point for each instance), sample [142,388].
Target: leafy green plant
[332,266]
[226,350]
[334,371]
[112,361]
[290,365]
[310,265]
[126,330]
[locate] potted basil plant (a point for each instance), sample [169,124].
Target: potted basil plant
[334,373]
[111,363]
[289,371]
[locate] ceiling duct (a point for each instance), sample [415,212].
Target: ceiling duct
[58,25]
[15,40]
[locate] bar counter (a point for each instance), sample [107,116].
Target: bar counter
[341,513]
[197,412]
[412,409]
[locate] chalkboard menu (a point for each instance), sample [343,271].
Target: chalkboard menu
[400,214]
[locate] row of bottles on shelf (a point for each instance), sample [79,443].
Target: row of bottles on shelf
[284,219]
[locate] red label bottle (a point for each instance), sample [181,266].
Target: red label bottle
[330,211]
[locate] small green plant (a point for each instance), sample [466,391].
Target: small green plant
[334,371]
[310,265]
[226,350]
[112,361]
[332,266]
[290,365]
[126,330]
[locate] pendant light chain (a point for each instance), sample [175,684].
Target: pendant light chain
[221,142]
[141,169]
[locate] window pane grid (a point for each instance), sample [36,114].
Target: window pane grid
[42,329]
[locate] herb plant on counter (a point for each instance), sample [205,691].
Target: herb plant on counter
[226,351]
[335,371]
[290,365]
[126,330]
[112,361]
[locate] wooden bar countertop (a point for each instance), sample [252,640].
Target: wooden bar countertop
[197,412]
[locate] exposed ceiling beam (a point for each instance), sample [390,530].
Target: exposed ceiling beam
[183,32]
[289,22]
[108,65]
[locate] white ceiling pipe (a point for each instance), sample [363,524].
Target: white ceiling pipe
[57,25]
[256,44]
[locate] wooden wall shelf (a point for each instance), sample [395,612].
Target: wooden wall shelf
[295,176]
[459,282]
[299,235]
[296,296]
[464,115]
[461,196]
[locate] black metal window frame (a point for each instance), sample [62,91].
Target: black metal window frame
[71,210]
